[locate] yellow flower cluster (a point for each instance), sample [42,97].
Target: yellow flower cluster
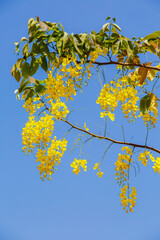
[58,109]
[150,116]
[130,202]
[143,157]
[49,162]
[121,92]
[96,166]
[65,76]
[156,166]
[37,132]
[29,106]
[61,83]
[148,119]
[122,176]
[76,165]
[97,52]
[156,162]
[72,70]
[57,87]
[123,165]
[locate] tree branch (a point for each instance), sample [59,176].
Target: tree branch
[123,64]
[110,139]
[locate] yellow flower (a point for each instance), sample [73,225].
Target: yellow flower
[156,166]
[143,157]
[100,174]
[96,165]
[121,92]
[128,202]
[87,129]
[76,165]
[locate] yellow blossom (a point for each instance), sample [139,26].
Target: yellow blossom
[100,174]
[87,129]
[76,165]
[96,165]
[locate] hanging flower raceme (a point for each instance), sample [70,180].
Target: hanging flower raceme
[116,92]
[130,201]
[76,164]
[97,166]
[49,159]
[123,164]
[36,133]
[58,109]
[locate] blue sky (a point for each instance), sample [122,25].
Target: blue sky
[72,207]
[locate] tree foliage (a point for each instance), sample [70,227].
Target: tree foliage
[69,61]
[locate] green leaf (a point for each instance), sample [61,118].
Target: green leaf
[62,42]
[23,39]
[22,82]
[51,39]
[30,94]
[154,103]
[35,49]
[116,26]
[51,56]
[59,46]
[105,27]
[25,50]
[31,22]
[17,48]
[34,66]
[50,25]
[130,44]
[17,75]
[19,62]
[23,86]
[107,18]
[115,47]
[64,39]
[87,46]
[100,39]
[76,43]
[61,27]
[130,49]
[145,103]
[151,74]
[39,88]
[32,26]
[38,34]
[25,70]
[154,35]
[83,37]
[114,30]
[43,48]
[124,43]
[43,63]
[13,70]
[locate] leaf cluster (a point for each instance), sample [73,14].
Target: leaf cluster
[47,42]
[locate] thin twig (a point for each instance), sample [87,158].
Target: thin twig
[110,139]
[123,64]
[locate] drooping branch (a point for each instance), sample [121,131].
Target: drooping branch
[123,64]
[110,139]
